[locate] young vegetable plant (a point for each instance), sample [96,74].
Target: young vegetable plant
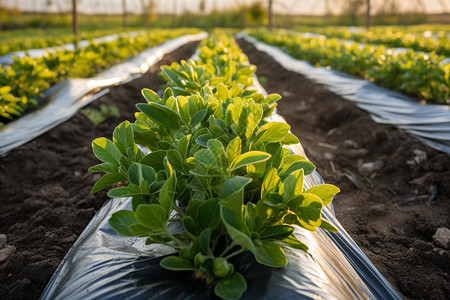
[219,170]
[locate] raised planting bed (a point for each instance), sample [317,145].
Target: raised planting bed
[45,186]
[212,205]
[394,189]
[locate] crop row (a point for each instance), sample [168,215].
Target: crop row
[412,73]
[215,166]
[23,82]
[12,44]
[427,41]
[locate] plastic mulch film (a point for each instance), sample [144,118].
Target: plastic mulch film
[104,265]
[430,122]
[7,59]
[67,97]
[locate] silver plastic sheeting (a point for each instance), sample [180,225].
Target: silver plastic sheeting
[104,265]
[430,122]
[7,59]
[67,97]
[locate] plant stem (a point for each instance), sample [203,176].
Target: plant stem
[179,211]
[231,246]
[235,253]
[174,220]
[176,240]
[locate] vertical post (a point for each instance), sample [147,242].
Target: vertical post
[124,14]
[368,15]
[75,25]
[270,25]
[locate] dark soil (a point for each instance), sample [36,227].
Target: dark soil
[45,200]
[395,191]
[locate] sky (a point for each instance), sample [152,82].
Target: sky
[167,6]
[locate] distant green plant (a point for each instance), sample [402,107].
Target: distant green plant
[29,77]
[410,72]
[262,79]
[99,116]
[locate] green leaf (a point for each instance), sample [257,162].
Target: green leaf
[138,200]
[106,151]
[190,226]
[183,145]
[204,239]
[198,117]
[167,94]
[272,132]
[121,220]
[183,109]
[270,254]
[161,115]
[175,159]
[271,182]
[103,167]
[278,232]
[236,228]
[139,172]
[293,185]
[175,263]
[276,150]
[155,159]
[309,211]
[244,122]
[272,98]
[5,90]
[152,216]
[107,180]
[232,186]
[233,149]
[231,287]
[328,226]
[293,242]
[236,111]
[217,149]
[150,95]
[206,158]
[139,230]
[290,139]
[123,137]
[222,91]
[167,193]
[249,126]
[307,167]
[208,214]
[123,191]
[248,158]
[325,192]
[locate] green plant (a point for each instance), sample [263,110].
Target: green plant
[99,116]
[29,77]
[412,73]
[215,167]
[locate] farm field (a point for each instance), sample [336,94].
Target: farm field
[282,159]
[39,220]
